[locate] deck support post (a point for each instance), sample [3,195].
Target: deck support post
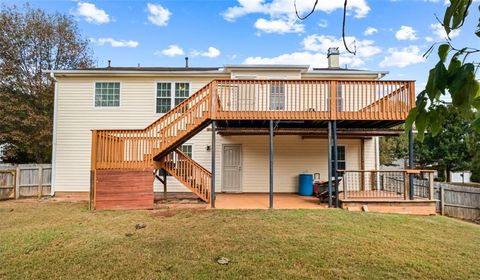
[329,165]
[271,164]
[165,184]
[335,163]
[410,163]
[213,148]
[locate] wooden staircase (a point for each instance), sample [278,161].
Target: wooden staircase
[188,172]
[156,146]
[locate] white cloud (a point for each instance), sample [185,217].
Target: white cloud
[429,39]
[321,43]
[402,57]
[279,26]
[172,50]
[91,13]
[115,43]
[440,33]
[370,31]
[307,58]
[211,52]
[406,33]
[280,8]
[315,49]
[323,23]
[158,15]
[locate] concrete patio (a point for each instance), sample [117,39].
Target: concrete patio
[261,201]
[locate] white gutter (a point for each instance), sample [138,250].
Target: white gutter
[61,73]
[336,73]
[54,135]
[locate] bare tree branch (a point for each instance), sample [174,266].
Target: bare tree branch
[354,52]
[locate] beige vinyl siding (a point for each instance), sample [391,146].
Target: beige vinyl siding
[370,153]
[292,156]
[77,116]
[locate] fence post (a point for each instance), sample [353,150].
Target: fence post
[345,185]
[430,182]
[40,181]
[17,182]
[442,200]
[406,185]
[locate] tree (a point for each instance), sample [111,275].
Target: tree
[455,78]
[473,143]
[31,42]
[393,148]
[447,151]
[456,147]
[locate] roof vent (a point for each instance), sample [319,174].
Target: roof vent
[109,63]
[333,57]
[186,62]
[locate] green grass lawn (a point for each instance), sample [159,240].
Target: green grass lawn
[66,241]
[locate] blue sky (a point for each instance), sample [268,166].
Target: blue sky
[389,35]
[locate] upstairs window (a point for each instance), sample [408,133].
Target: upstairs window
[182,91]
[107,94]
[170,94]
[164,97]
[277,97]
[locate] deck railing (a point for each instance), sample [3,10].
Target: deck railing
[386,184]
[252,100]
[314,99]
[189,172]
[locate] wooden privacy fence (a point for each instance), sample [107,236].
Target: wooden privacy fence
[458,201]
[25,180]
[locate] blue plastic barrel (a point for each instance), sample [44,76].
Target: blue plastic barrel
[305,184]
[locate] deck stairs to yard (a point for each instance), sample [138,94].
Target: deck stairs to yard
[157,146]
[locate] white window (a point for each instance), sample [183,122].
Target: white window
[107,94]
[339,99]
[341,158]
[170,94]
[277,96]
[187,149]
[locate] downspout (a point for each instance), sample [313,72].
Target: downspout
[54,135]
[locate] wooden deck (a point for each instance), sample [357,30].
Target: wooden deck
[365,104]
[358,103]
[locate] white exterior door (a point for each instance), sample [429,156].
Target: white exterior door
[232,168]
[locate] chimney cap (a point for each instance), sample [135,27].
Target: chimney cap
[333,51]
